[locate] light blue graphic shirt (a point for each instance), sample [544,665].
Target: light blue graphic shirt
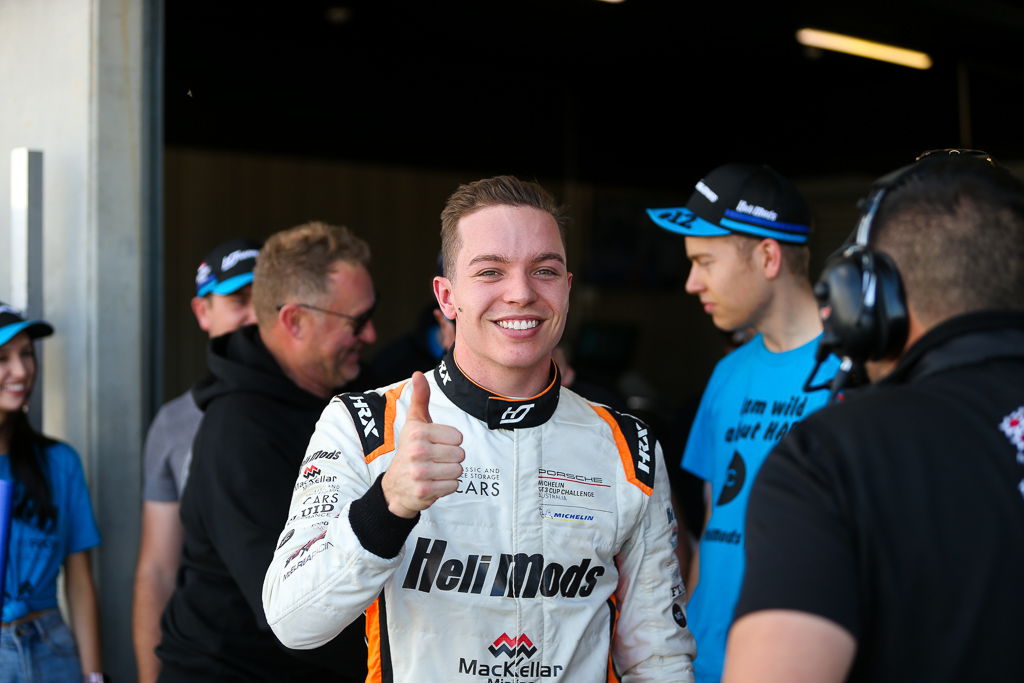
[753,399]
[35,556]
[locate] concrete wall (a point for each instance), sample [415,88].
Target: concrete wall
[74,88]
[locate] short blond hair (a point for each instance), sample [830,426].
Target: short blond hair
[503,190]
[796,258]
[294,264]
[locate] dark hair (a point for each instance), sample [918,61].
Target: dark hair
[33,502]
[503,190]
[955,229]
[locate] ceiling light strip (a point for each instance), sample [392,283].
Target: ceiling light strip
[826,40]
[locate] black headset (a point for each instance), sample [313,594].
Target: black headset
[860,292]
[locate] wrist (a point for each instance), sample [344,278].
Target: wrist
[401,511]
[394,507]
[94,677]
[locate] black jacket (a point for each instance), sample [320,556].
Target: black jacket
[899,513]
[246,459]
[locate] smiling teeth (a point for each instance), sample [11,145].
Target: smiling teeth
[518,324]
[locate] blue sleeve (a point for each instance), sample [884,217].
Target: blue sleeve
[76,507]
[698,457]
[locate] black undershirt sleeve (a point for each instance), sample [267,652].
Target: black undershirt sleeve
[801,544]
[377,528]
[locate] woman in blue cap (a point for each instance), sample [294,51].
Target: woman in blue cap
[52,525]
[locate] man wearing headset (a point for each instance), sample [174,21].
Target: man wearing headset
[746,230]
[886,533]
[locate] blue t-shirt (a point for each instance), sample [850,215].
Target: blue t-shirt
[754,397]
[35,556]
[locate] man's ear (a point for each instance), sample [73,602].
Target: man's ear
[200,308]
[768,257]
[444,294]
[293,320]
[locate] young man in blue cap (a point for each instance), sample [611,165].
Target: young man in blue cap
[222,304]
[886,538]
[746,230]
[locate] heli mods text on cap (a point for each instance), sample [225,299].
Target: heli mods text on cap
[227,268]
[744,199]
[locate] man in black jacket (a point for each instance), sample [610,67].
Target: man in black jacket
[886,533]
[267,386]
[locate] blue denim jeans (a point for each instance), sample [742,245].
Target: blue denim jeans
[39,651]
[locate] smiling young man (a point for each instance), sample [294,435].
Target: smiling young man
[746,230]
[490,523]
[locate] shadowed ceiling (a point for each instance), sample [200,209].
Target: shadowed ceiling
[641,92]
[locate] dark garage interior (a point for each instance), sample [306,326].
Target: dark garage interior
[369,113]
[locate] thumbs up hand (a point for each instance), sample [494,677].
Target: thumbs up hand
[426,465]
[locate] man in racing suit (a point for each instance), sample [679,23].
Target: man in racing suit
[487,538]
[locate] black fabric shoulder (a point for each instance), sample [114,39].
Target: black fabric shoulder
[368,410]
[239,363]
[799,535]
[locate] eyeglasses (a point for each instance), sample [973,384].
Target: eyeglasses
[956,151]
[359,322]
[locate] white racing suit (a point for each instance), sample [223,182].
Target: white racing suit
[553,562]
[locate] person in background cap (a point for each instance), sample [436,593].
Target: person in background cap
[223,300]
[268,385]
[746,229]
[222,304]
[52,525]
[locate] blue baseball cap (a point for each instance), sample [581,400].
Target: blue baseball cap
[744,199]
[12,322]
[227,268]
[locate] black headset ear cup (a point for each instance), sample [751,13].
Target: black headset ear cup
[890,308]
[841,302]
[863,309]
